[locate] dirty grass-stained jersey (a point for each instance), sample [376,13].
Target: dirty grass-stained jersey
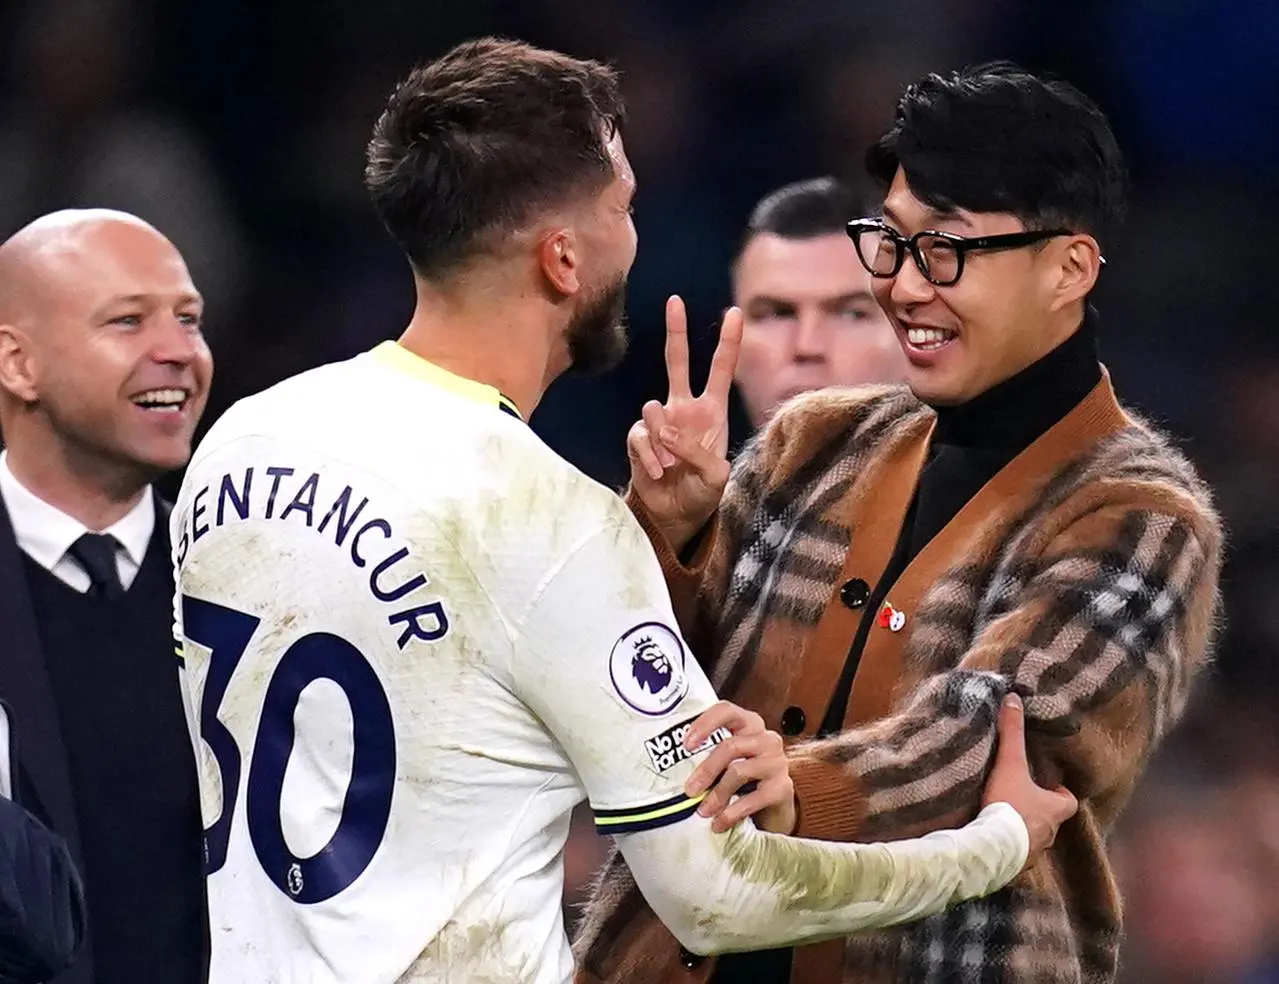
[413,639]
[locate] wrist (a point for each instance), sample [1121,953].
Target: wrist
[677,535]
[681,534]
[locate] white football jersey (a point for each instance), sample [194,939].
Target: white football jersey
[413,638]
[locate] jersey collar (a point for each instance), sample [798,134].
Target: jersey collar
[395,356]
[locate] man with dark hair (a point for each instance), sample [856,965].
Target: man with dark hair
[416,638]
[810,318]
[467,155]
[885,564]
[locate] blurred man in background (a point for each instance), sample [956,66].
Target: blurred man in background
[810,318]
[104,374]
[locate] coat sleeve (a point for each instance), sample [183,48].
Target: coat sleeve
[42,912]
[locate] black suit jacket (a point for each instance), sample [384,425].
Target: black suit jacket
[42,907]
[43,781]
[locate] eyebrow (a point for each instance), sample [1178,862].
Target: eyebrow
[856,295]
[183,298]
[932,216]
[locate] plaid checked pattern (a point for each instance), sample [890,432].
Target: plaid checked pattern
[789,551]
[1096,601]
[955,947]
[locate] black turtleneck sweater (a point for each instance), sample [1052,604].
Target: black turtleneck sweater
[971,443]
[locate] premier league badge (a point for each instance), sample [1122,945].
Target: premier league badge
[647,669]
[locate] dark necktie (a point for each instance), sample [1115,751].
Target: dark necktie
[95,552]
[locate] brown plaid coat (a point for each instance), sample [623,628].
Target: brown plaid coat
[1084,574]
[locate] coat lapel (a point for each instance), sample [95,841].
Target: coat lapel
[967,536]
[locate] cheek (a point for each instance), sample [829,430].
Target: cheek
[203,364]
[760,359]
[93,376]
[630,244]
[866,356]
[976,311]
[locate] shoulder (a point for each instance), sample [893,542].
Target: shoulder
[1141,465]
[570,505]
[819,428]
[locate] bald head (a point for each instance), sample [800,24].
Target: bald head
[55,253]
[100,342]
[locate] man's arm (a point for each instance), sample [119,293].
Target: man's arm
[41,901]
[750,890]
[598,659]
[1102,640]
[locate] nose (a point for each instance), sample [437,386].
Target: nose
[910,286]
[810,337]
[174,341]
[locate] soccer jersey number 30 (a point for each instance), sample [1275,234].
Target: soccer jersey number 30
[367,805]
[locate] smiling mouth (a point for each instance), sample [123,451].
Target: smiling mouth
[928,339]
[163,400]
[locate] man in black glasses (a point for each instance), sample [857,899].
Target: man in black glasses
[882,565]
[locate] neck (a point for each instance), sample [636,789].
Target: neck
[490,336]
[1009,416]
[79,484]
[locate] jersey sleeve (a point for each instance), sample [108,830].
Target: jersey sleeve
[600,659]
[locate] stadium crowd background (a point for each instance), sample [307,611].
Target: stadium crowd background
[238,128]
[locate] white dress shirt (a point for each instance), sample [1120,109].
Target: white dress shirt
[45,533]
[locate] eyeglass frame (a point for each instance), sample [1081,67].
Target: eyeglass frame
[962,245]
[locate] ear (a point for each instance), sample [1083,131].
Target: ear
[1077,271]
[558,259]
[17,367]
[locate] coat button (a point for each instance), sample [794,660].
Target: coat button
[793,719]
[855,593]
[689,959]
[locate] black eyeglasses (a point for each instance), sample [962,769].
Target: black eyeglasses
[939,255]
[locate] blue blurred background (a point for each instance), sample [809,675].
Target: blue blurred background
[238,126]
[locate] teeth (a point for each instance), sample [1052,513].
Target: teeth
[166,398]
[928,336]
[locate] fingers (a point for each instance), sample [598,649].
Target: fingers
[643,449]
[655,420]
[738,774]
[758,758]
[1011,754]
[712,467]
[723,714]
[776,792]
[639,449]
[677,349]
[1066,802]
[724,362]
[724,757]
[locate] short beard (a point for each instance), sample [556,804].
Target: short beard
[597,334]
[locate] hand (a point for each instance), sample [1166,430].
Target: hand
[1043,810]
[679,450]
[751,755]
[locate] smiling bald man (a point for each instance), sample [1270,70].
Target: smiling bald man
[104,373]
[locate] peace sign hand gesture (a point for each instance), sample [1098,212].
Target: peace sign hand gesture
[679,450]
